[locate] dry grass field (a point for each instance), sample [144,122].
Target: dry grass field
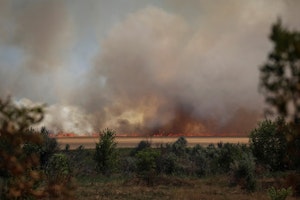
[169,188]
[129,142]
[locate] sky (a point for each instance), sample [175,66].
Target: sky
[140,66]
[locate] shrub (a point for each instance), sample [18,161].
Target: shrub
[179,147]
[45,149]
[128,165]
[141,146]
[146,160]
[268,143]
[48,148]
[146,164]
[59,177]
[167,163]
[279,194]
[201,161]
[243,172]
[58,168]
[227,154]
[106,152]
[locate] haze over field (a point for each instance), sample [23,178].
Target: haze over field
[140,66]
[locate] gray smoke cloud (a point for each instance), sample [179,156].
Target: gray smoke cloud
[159,72]
[41,29]
[169,67]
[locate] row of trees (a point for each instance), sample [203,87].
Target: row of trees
[266,151]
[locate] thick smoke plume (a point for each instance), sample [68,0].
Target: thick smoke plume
[168,67]
[169,77]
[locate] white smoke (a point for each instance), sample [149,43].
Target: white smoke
[63,118]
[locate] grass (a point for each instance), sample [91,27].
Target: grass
[165,188]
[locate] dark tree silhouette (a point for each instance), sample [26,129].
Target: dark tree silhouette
[280,75]
[280,83]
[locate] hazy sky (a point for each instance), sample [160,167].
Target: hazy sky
[140,65]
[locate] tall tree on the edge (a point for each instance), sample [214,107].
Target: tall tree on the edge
[280,81]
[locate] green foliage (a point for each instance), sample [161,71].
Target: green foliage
[228,153]
[82,162]
[21,176]
[269,144]
[279,194]
[279,82]
[59,177]
[128,165]
[58,168]
[200,158]
[141,146]
[179,147]
[146,160]
[243,172]
[45,149]
[147,164]
[167,163]
[280,75]
[106,152]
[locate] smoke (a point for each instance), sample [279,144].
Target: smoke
[63,118]
[40,28]
[168,67]
[173,77]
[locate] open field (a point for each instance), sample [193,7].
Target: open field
[167,188]
[128,142]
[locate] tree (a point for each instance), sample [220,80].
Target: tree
[19,171]
[280,75]
[21,176]
[106,152]
[280,83]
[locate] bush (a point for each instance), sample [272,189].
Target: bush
[200,159]
[146,164]
[279,194]
[227,154]
[269,145]
[45,149]
[128,165]
[167,163]
[59,176]
[179,147]
[243,172]
[106,152]
[141,146]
